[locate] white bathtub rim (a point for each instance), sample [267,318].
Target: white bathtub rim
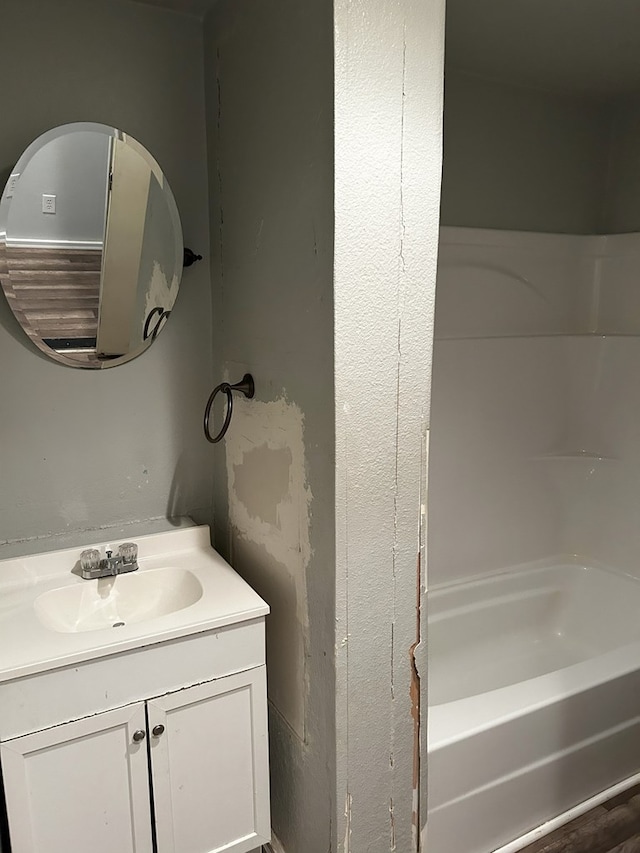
[567,816]
[558,561]
[451,722]
[507,597]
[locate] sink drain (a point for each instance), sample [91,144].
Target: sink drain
[117,624]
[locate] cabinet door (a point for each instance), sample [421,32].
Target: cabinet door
[210,768]
[81,786]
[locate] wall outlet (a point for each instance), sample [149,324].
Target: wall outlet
[48,203]
[12,183]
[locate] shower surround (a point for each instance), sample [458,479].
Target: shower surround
[533,543]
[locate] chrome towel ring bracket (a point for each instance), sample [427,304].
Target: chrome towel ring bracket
[246,387]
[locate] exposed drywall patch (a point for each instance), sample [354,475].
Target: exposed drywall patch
[270,516]
[160,291]
[263,465]
[286,636]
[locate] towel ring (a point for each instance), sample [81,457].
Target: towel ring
[246,387]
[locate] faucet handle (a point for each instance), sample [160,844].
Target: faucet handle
[90,560]
[128,551]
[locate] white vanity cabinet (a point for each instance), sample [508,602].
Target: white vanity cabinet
[190,767]
[209,766]
[133,709]
[80,786]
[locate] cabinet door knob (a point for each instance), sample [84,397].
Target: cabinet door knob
[139,735]
[156,731]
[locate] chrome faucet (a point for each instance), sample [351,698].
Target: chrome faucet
[93,566]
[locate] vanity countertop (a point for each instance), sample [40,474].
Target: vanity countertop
[28,646]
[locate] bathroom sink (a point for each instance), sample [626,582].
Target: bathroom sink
[114,602]
[50,617]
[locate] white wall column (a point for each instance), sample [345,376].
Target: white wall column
[388,129]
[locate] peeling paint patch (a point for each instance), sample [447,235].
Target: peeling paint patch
[269,466]
[347,815]
[392,823]
[270,516]
[414,692]
[161,292]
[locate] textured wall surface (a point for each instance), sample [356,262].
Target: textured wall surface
[270,110]
[388,71]
[88,448]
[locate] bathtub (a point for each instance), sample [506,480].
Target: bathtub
[534,702]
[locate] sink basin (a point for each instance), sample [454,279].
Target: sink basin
[50,618]
[117,601]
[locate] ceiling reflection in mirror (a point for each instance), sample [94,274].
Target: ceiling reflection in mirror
[91,249]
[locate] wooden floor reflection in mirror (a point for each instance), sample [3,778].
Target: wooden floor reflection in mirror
[55,294]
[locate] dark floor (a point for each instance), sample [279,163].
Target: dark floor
[613,827]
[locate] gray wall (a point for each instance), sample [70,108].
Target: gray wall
[522,159]
[81,449]
[74,168]
[621,211]
[269,78]
[525,159]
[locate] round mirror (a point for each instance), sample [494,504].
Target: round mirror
[91,249]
